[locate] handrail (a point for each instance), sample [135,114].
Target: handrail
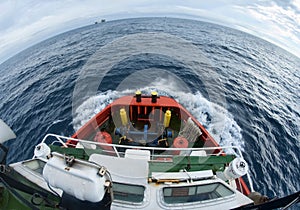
[115,146]
[139,147]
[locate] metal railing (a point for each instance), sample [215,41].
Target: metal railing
[115,149]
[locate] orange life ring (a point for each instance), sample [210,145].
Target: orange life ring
[180,142]
[104,137]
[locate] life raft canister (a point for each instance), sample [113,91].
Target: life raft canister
[180,142]
[104,137]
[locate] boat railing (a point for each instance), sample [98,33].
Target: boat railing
[157,153]
[184,151]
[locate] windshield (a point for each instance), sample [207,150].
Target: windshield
[195,193]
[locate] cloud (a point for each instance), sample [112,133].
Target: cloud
[25,23]
[28,22]
[278,22]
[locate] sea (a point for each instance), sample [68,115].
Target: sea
[243,89]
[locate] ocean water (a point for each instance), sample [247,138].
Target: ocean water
[244,90]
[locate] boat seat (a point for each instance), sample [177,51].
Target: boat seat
[137,154]
[129,170]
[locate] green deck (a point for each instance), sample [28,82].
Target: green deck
[9,199]
[191,163]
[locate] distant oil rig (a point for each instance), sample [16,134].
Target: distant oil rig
[101,21]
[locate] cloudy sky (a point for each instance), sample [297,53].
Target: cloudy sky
[27,22]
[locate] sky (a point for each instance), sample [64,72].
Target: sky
[24,23]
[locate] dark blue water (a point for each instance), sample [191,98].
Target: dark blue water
[245,90]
